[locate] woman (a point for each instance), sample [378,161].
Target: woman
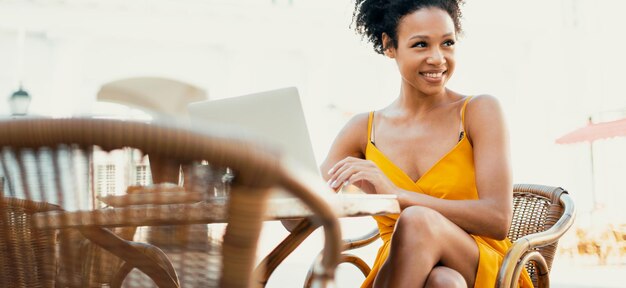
[445,155]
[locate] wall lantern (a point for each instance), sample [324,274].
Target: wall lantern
[19,102]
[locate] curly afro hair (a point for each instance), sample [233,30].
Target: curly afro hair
[375,17]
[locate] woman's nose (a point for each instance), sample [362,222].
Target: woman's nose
[436,58]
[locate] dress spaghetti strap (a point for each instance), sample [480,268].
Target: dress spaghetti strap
[370,128]
[462,128]
[463,110]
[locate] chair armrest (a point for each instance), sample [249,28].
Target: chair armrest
[364,240]
[522,246]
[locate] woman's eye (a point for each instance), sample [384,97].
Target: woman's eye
[449,43]
[419,45]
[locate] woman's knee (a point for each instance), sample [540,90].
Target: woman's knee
[442,276]
[418,222]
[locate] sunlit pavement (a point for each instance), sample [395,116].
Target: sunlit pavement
[583,271]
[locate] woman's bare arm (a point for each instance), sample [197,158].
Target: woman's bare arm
[350,142]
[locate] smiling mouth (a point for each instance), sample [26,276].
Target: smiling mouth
[433,75]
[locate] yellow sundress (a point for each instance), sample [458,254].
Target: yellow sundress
[452,177]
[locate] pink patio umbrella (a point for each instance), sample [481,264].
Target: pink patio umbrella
[593,132]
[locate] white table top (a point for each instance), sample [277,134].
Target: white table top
[214,211]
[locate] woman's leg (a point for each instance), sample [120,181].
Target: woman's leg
[444,277]
[423,239]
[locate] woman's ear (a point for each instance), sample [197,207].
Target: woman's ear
[388,48]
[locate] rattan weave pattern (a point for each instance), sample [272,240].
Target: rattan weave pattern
[536,208]
[26,254]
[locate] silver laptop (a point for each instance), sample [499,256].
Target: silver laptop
[274,116]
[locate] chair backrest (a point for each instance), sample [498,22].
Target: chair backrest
[27,255]
[49,160]
[536,208]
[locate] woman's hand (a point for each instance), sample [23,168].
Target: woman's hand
[361,173]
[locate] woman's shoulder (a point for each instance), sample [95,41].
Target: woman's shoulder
[358,120]
[357,125]
[482,111]
[482,103]
[351,141]
[353,136]
[483,97]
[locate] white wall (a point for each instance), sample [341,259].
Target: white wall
[551,63]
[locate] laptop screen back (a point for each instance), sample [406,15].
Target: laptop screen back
[274,116]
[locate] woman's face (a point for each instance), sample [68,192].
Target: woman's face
[425,49]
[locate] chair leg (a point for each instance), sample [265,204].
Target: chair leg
[241,236]
[118,278]
[543,272]
[151,251]
[129,253]
[345,258]
[356,261]
[267,266]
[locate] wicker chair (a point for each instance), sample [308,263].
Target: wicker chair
[541,215]
[27,255]
[48,160]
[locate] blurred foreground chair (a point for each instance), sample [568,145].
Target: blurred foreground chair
[541,215]
[47,160]
[27,255]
